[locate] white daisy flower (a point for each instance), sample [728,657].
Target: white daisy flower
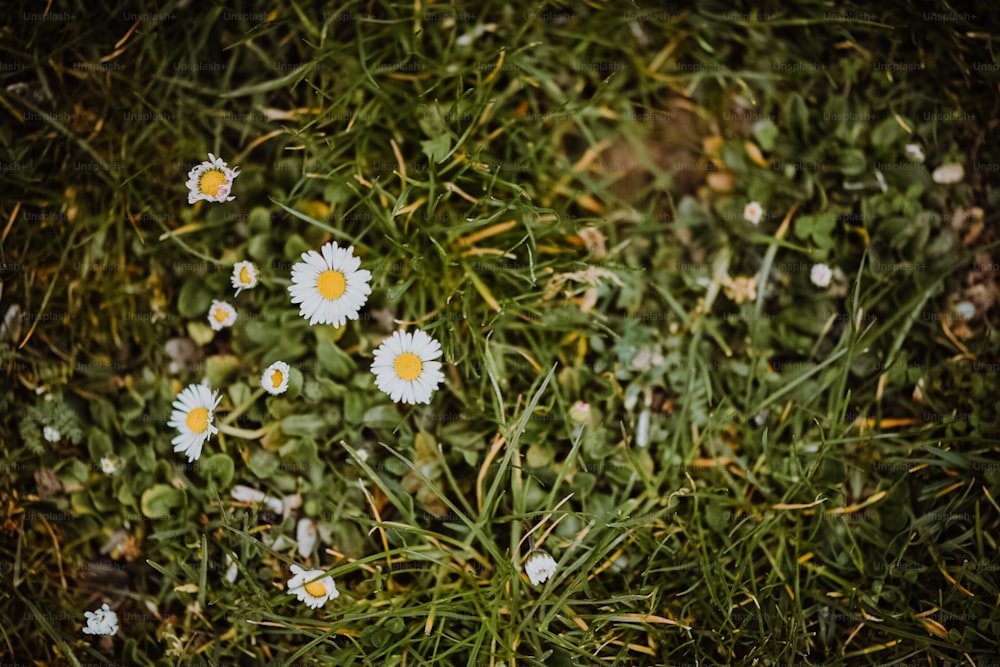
[221,315]
[539,566]
[915,153]
[211,181]
[244,276]
[753,212]
[948,174]
[275,379]
[328,287]
[194,410]
[101,622]
[51,434]
[405,369]
[965,309]
[820,275]
[109,465]
[313,587]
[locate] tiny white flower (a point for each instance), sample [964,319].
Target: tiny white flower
[109,465]
[405,367]
[965,309]
[314,587]
[194,410]
[948,174]
[539,566]
[211,181]
[306,536]
[915,153]
[244,276]
[246,494]
[51,434]
[275,378]
[221,315]
[753,212]
[820,275]
[101,622]
[580,412]
[329,287]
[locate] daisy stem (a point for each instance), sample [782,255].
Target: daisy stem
[243,433]
[232,416]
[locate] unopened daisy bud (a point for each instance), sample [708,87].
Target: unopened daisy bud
[244,276]
[221,315]
[101,622]
[820,275]
[51,434]
[753,212]
[539,566]
[580,412]
[275,379]
[948,174]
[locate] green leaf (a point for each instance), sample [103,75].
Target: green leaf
[852,162]
[337,362]
[194,298]
[381,416]
[887,133]
[765,132]
[436,149]
[219,469]
[263,463]
[219,368]
[304,425]
[158,500]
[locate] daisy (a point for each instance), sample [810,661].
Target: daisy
[312,587]
[820,275]
[275,379]
[221,315]
[109,465]
[101,622]
[328,287]
[539,566]
[405,369]
[753,212]
[244,276]
[211,181]
[51,434]
[193,413]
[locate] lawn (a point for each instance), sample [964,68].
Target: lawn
[499,333]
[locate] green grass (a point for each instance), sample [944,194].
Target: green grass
[793,475]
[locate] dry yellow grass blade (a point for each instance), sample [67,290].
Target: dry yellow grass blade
[492,230]
[850,509]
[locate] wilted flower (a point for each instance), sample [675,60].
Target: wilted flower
[101,622]
[314,587]
[211,181]
[539,566]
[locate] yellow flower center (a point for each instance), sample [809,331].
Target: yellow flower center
[245,276]
[221,315]
[211,181]
[197,420]
[331,284]
[276,378]
[317,589]
[408,366]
